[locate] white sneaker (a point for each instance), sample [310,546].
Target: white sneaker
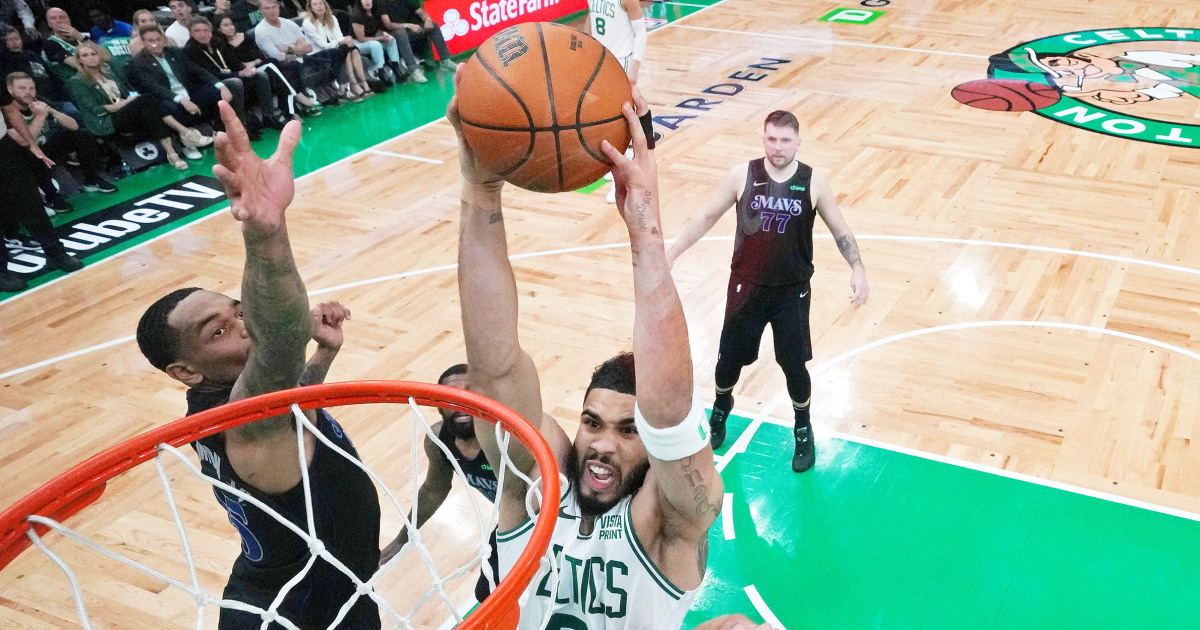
[416,75]
[194,138]
[190,152]
[612,195]
[49,211]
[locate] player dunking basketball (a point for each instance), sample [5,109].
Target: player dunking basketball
[631,540]
[776,197]
[224,350]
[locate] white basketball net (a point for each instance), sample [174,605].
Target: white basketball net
[390,617]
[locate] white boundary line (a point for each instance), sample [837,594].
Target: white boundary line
[727,516]
[405,156]
[763,416]
[832,42]
[761,607]
[572,250]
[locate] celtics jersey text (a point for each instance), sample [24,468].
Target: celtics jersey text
[773,245]
[606,581]
[612,27]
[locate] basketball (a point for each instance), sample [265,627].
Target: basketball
[1006,95]
[536,99]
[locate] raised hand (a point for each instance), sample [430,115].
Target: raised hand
[636,180]
[327,321]
[472,171]
[259,190]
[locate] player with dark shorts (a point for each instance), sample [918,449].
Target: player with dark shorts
[777,200]
[223,350]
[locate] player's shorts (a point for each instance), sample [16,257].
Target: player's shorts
[313,603]
[625,61]
[748,310]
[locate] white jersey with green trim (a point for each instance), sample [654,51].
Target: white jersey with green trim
[606,580]
[612,27]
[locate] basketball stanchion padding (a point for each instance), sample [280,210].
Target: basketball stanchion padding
[84,484]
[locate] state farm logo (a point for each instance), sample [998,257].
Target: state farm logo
[486,14]
[453,24]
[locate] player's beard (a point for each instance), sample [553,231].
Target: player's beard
[591,505]
[462,429]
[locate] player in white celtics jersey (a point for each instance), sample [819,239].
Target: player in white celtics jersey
[631,539]
[619,26]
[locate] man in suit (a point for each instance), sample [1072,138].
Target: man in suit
[183,89]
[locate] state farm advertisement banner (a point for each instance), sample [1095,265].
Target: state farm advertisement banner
[467,23]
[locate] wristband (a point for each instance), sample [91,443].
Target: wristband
[687,438]
[647,121]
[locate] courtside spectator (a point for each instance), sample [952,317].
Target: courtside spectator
[15,58]
[183,90]
[280,83]
[221,60]
[55,135]
[23,206]
[112,34]
[374,41]
[142,18]
[178,30]
[284,42]
[323,31]
[59,49]
[107,108]
[406,20]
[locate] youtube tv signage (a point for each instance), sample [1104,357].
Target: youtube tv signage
[467,23]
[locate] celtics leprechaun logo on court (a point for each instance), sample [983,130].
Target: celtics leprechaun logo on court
[1136,83]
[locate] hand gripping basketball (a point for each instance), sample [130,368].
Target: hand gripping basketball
[472,171]
[636,180]
[259,190]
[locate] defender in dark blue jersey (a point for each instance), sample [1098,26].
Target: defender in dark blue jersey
[777,200]
[224,350]
[457,432]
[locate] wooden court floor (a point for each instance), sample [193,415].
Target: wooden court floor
[1034,286]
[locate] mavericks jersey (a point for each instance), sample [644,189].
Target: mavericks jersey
[606,580]
[773,245]
[476,469]
[612,27]
[346,515]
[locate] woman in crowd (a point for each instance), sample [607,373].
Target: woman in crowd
[284,79]
[107,108]
[323,31]
[221,60]
[142,18]
[371,38]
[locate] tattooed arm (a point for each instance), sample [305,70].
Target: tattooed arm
[828,209]
[681,498]
[499,368]
[274,301]
[327,321]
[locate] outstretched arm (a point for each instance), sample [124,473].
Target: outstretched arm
[700,224]
[827,208]
[687,490]
[273,296]
[499,368]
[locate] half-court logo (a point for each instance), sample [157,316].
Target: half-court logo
[1137,83]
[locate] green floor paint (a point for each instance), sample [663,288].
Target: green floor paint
[871,538]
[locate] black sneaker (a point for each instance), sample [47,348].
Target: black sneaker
[716,426]
[98,185]
[64,262]
[805,455]
[11,283]
[59,205]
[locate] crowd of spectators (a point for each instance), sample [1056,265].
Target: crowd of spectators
[84,78]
